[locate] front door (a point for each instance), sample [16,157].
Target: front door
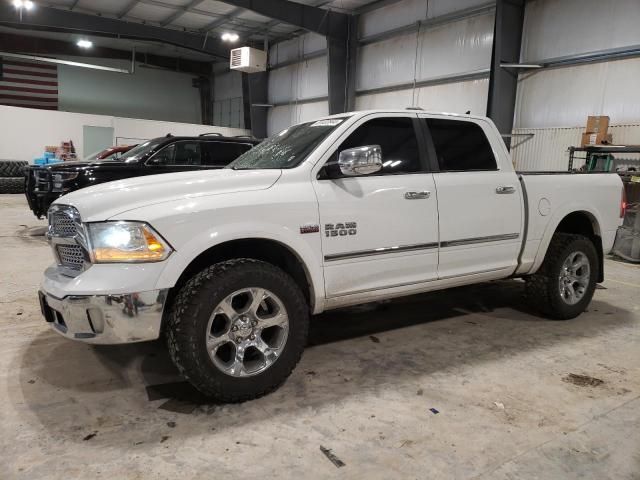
[379,230]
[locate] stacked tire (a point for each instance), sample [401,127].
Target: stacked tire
[12,176]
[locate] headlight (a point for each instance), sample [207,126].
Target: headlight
[114,242]
[64,176]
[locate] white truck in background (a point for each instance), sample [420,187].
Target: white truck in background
[353,208]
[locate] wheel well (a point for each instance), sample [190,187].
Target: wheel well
[266,250]
[583,223]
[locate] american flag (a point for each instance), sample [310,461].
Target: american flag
[28,84]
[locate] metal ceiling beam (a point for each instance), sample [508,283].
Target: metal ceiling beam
[503,83]
[53,19]
[181,11]
[222,20]
[55,47]
[314,19]
[130,6]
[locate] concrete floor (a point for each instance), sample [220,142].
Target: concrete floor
[495,374]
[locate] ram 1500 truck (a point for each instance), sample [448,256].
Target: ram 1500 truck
[228,265]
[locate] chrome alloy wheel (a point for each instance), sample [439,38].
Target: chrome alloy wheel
[247,332]
[574,277]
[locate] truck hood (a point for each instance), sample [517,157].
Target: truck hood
[101,202]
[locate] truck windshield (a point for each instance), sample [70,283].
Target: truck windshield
[136,153]
[288,148]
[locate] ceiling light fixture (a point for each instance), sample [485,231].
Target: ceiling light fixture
[84,43]
[20,4]
[229,37]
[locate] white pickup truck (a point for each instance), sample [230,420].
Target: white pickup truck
[228,265]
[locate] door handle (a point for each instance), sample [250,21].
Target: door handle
[504,189]
[417,195]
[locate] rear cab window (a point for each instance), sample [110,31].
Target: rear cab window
[460,146]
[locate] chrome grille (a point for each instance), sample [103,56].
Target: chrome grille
[62,224]
[71,256]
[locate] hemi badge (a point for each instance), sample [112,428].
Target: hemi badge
[309,228]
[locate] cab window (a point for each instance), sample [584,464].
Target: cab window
[397,139]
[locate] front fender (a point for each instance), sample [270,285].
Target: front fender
[305,249]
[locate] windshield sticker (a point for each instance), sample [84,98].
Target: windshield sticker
[327,123]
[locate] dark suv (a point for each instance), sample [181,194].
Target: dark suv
[160,155]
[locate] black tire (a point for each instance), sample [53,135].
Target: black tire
[12,168]
[542,289]
[186,328]
[12,185]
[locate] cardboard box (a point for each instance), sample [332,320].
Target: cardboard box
[596,139]
[597,124]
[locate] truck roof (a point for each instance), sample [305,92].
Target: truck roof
[361,113]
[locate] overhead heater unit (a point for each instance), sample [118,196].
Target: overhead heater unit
[249,60]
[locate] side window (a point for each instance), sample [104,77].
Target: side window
[187,153]
[164,156]
[397,140]
[221,154]
[460,145]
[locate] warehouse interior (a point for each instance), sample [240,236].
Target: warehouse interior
[460,383]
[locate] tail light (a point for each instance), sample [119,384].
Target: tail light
[623,203]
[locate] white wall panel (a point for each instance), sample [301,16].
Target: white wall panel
[296,47]
[457,47]
[25,131]
[408,12]
[566,96]
[283,116]
[556,28]
[299,81]
[458,97]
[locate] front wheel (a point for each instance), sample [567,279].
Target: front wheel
[564,285]
[237,329]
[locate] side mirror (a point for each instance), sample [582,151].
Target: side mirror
[360,160]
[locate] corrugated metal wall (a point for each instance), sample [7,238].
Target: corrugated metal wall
[535,149]
[439,50]
[566,96]
[294,84]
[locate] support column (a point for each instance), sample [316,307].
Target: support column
[254,92]
[341,59]
[503,82]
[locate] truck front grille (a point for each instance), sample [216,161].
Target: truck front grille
[71,256]
[62,224]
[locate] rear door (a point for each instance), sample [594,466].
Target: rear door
[380,230]
[480,205]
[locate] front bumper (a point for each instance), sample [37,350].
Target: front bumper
[106,319]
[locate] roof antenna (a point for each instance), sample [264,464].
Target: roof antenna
[468,112]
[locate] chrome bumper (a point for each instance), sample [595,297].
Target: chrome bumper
[106,319]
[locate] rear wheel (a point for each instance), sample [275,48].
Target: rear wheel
[564,285]
[237,329]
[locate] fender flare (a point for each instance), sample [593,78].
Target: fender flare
[557,217]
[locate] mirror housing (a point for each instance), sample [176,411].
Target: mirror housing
[360,160]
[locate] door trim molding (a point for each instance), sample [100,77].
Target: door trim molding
[419,246]
[380,251]
[469,241]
